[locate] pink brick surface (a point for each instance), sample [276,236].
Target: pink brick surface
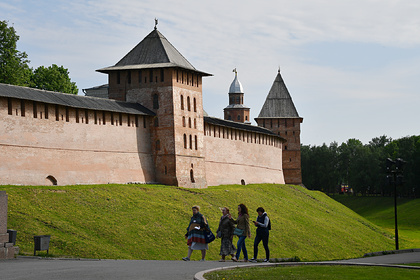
[31,149]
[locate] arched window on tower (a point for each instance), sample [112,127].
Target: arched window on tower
[195,105]
[188,104]
[195,142]
[192,176]
[182,101]
[185,141]
[239,117]
[190,141]
[155,101]
[183,121]
[189,122]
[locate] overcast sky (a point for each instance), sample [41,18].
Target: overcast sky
[351,67]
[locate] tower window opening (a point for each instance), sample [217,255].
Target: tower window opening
[189,122]
[192,176]
[195,142]
[183,121]
[195,105]
[188,103]
[182,101]
[185,141]
[155,101]
[190,142]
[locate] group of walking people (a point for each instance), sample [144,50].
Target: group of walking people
[198,227]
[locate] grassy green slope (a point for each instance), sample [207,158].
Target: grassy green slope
[380,211]
[149,222]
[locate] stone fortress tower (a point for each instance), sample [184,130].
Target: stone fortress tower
[279,114]
[154,73]
[236,110]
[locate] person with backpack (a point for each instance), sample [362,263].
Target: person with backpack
[263,225]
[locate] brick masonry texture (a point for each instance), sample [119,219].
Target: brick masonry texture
[94,147]
[32,149]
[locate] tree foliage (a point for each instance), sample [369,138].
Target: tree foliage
[53,78]
[360,166]
[14,68]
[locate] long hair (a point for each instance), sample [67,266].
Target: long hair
[244,209]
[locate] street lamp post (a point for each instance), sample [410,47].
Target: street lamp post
[395,176]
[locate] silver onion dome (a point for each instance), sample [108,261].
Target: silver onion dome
[236,86]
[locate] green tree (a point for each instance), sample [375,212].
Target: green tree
[53,78]
[14,67]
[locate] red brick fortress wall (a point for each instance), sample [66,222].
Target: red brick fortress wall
[236,156]
[288,128]
[37,150]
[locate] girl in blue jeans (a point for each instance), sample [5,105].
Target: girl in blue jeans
[243,224]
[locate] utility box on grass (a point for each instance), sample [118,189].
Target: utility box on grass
[42,242]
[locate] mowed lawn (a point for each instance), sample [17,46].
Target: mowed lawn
[149,221]
[380,211]
[304,272]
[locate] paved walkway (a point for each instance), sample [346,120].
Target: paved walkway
[66,269]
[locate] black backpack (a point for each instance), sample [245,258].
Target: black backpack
[269,223]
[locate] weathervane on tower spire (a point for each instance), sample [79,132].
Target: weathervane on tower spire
[234,70]
[156,23]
